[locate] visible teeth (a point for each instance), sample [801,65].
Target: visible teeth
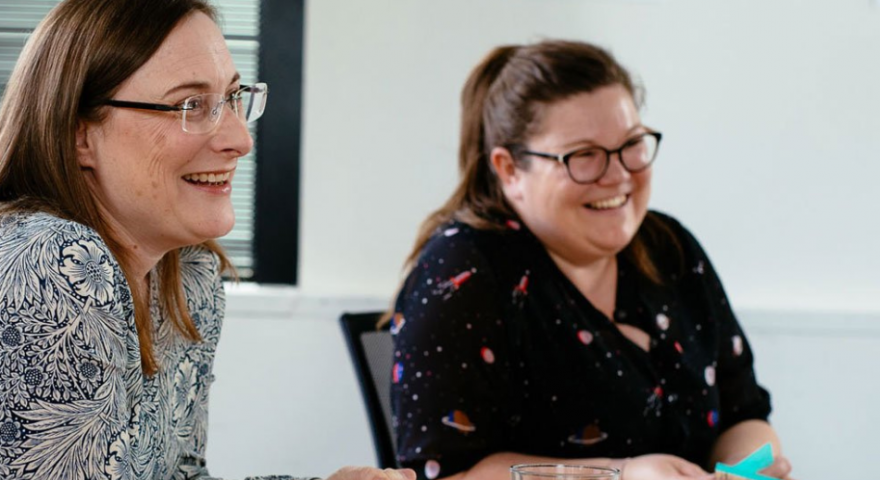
[212,178]
[613,202]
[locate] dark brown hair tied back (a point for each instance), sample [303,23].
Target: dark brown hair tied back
[502,103]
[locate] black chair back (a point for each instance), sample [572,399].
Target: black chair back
[372,351]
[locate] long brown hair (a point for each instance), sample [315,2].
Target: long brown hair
[501,105]
[77,58]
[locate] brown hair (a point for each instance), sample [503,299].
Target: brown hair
[77,58]
[502,102]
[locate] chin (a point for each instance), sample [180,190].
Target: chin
[221,231]
[618,243]
[215,229]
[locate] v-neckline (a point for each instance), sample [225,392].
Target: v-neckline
[621,295]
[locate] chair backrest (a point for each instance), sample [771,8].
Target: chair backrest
[372,351]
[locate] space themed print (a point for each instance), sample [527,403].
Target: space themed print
[495,350]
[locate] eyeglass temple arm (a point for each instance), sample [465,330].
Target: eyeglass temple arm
[144,106]
[558,158]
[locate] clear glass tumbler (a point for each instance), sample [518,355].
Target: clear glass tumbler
[553,471]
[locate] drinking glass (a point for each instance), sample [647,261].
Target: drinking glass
[552,471]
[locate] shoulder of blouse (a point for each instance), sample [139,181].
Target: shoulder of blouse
[40,226]
[39,246]
[455,235]
[458,243]
[198,262]
[502,254]
[202,283]
[62,270]
[690,246]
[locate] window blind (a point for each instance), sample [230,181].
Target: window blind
[240,22]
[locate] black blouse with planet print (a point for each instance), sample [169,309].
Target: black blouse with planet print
[497,351]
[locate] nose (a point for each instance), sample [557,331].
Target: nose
[616,172]
[232,136]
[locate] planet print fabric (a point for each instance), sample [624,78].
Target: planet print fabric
[497,351]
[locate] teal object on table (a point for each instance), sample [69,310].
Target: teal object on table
[749,467]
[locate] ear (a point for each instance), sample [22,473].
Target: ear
[508,174]
[85,153]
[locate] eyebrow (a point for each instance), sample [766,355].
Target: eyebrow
[587,142]
[197,86]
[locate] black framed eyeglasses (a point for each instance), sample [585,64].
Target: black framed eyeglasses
[201,113]
[587,165]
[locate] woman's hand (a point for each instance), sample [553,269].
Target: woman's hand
[780,468]
[369,473]
[661,467]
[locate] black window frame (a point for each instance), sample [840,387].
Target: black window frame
[279,137]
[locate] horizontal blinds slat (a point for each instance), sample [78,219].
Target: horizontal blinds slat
[239,17]
[245,55]
[238,242]
[10,46]
[23,15]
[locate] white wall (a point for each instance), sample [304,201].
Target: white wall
[770,115]
[286,399]
[769,110]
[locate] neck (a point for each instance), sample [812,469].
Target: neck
[140,257]
[595,279]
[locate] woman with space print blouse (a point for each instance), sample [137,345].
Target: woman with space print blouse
[547,314]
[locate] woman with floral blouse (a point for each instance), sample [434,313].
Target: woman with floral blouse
[120,131]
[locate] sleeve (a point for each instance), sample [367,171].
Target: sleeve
[65,316]
[741,397]
[203,289]
[451,367]
[206,300]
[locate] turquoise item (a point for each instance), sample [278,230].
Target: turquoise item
[749,467]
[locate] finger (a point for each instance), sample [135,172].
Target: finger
[692,470]
[780,468]
[342,473]
[402,474]
[695,476]
[409,473]
[699,476]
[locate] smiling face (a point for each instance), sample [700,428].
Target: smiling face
[159,187]
[578,223]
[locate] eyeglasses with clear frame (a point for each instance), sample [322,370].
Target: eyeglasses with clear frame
[200,114]
[587,165]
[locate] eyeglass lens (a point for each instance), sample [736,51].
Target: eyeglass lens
[201,113]
[590,163]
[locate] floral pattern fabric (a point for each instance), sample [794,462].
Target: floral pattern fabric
[74,403]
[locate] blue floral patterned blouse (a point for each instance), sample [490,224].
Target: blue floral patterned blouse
[74,403]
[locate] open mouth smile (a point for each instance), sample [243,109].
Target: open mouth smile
[208,179]
[608,203]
